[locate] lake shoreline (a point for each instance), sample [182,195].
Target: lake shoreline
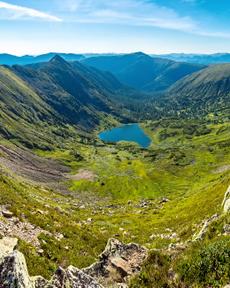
[131,132]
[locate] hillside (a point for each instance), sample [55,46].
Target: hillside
[158,74]
[54,96]
[203,92]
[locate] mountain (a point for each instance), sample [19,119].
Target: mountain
[202,92]
[104,79]
[7,59]
[37,98]
[20,105]
[142,71]
[205,59]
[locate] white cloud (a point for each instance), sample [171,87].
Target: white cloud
[13,12]
[130,12]
[215,34]
[136,13]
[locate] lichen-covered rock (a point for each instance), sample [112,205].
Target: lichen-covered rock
[14,274]
[117,259]
[7,245]
[118,262]
[13,271]
[72,277]
[226,202]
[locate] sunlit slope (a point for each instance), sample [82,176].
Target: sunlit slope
[202,92]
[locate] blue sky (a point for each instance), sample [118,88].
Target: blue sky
[81,26]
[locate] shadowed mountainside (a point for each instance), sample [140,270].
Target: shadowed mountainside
[143,72]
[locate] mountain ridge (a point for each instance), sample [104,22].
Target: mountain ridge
[203,92]
[55,93]
[159,73]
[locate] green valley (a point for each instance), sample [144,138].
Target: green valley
[66,192]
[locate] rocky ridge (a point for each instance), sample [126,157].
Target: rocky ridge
[117,259]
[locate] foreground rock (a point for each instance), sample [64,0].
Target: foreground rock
[123,259]
[118,262]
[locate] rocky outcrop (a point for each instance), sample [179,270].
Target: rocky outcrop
[118,262]
[13,271]
[226,202]
[123,259]
[70,277]
[201,234]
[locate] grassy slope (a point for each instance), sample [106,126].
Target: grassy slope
[202,92]
[181,167]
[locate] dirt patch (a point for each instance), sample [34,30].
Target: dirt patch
[84,175]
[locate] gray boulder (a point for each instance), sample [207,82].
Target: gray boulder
[14,272]
[118,262]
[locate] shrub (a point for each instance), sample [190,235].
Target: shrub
[207,265]
[154,272]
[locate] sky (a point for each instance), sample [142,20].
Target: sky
[114,26]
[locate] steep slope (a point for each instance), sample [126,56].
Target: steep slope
[21,108]
[170,75]
[141,71]
[41,100]
[205,91]
[72,94]
[103,79]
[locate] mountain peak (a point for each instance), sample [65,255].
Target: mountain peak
[140,54]
[58,59]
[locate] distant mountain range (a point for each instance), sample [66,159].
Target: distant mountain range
[143,72]
[159,74]
[7,59]
[205,59]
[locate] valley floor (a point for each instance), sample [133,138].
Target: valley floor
[81,196]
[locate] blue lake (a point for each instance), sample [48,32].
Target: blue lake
[129,132]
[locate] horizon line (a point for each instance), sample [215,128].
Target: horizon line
[112,53]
